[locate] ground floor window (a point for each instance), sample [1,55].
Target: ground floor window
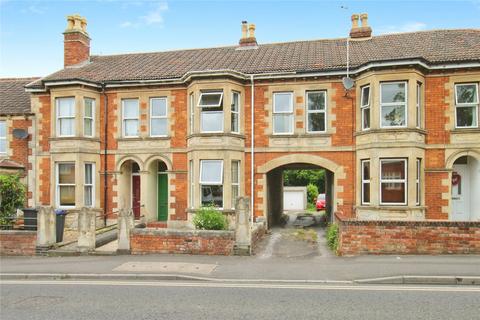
[235,181]
[211,182]
[417,181]
[65,180]
[393,181]
[365,181]
[89,194]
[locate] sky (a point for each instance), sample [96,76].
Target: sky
[31,40]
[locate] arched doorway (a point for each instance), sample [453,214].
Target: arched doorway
[465,190]
[156,190]
[130,187]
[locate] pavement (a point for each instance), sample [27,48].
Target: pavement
[285,255]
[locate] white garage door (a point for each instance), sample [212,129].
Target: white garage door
[293,200]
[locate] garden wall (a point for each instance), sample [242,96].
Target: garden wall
[205,242]
[17,242]
[407,237]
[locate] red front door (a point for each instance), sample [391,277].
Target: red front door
[136,196]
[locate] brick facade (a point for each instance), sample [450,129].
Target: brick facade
[17,243]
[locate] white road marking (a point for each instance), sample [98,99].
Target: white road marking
[469,289]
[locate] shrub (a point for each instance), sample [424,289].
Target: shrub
[312,193]
[12,193]
[332,236]
[209,218]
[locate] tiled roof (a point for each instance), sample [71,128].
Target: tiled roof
[433,47]
[13,98]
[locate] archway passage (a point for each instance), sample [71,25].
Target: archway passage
[465,189]
[288,199]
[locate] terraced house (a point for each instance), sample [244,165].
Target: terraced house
[164,133]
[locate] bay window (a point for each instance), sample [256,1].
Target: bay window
[235,181]
[3,137]
[419,105]
[65,180]
[158,117]
[393,181]
[89,117]
[393,104]
[211,182]
[235,120]
[417,182]
[130,115]
[365,181]
[192,113]
[192,184]
[466,105]
[88,185]
[283,113]
[65,116]
[365,107]
[316,111]
[211,114]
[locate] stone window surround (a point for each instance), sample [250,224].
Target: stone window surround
[403,181]
[79,94]
[475,105]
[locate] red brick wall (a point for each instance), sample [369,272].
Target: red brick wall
[179,123]
[261,117]
[44,183]
[344,112]
[76,48]
[408,237]
[435,160]
[180,183]
[17,243]
[44,127]
[436,110]
[147,241]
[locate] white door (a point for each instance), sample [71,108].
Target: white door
[293,200]
[460,193]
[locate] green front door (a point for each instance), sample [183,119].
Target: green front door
[162,199]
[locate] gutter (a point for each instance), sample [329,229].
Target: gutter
[252,149]
[105,185]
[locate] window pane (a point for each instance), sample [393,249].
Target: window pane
[366,193]
[211,172]
[366,170]
[88,196]
[366,118]
[131,128]
[316,100]
[235,101]
[393,92]
[67,195]
[467,93]
[466,117]
[365,96]
[393,116]
[88,173]
[130,108]
[316,122]
[66,173]
[393,192]
[88,127]
[3,129]
[282,123]
[235,122]
[393,169]
[283,102]
[89,107]
[210,99]
[3,146]
[235,171]
[234,195]
[159,107]
[67,127]
[66,107]
[212,195]
[159,127]
[212,121]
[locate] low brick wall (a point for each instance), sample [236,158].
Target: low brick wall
[149,240]
[17,242]
[407,237]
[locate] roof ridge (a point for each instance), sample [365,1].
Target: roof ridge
[19,79]
[424,31]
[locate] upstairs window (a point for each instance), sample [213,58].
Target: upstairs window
[393,181]
[419,105]
[158,117]
[130,114]
[192,113]
[235,121]
[89,117]
[316,111]
[283,113]
[211,182]
[211,115]
[393,104]
[365,107]
[365,181]
[3,137]
[466,105]
[65,184]
[65,116]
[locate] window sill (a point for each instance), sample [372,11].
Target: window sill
[144,138]
[465,130]
[74,138]
[390,130]
[224,211]
[391,207]
[301,135]
[218,134]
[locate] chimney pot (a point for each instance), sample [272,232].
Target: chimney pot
[355,21]
[364,19]
[363,31]
[244,29]
[248,40]
[251,30]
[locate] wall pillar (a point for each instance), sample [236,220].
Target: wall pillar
[86,230]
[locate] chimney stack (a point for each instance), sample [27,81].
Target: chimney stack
[248,40]
[363,31]
[76,41]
